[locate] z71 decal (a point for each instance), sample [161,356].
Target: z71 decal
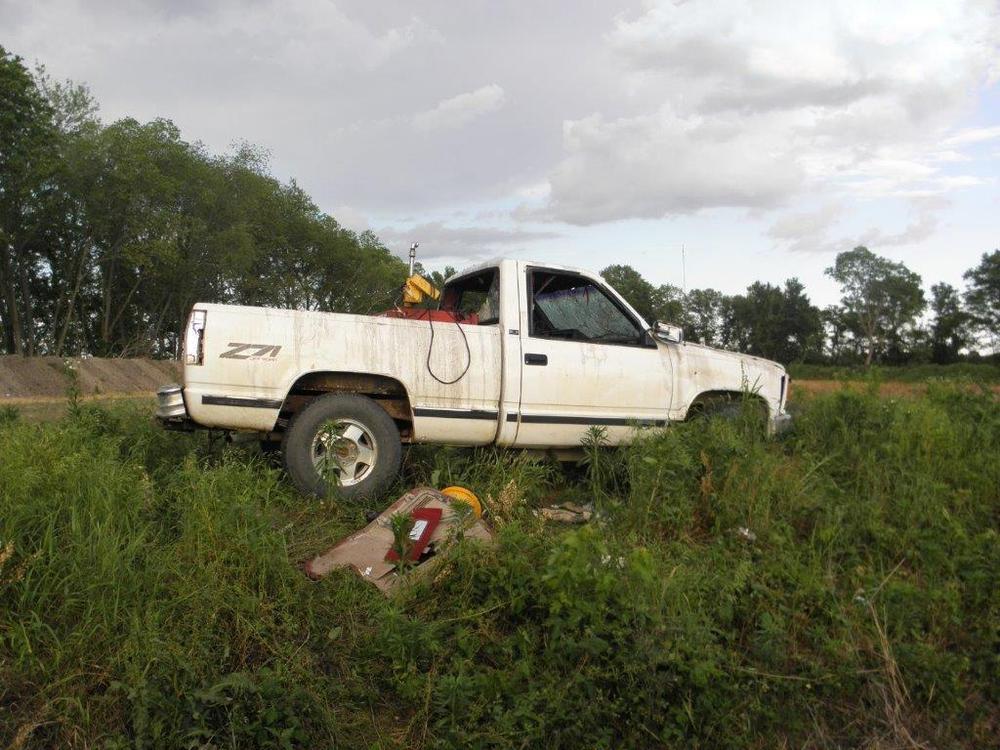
[250,351]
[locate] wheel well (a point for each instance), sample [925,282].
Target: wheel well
[387,392]
[707,399]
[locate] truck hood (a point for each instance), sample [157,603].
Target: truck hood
[731,359]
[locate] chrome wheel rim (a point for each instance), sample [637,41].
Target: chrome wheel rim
[344,451]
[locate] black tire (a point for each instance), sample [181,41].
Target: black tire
[325,430]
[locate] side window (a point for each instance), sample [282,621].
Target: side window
[567,306]
[476,297]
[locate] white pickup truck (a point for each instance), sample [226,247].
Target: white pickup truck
[544,353]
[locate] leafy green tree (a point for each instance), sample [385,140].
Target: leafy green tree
[841,344]
[437,278]
[636,290]
[772,322]
[983,296]
[653,303]
[67,246]
[880,298]
[74,108]
[950,327]
[136,184]
[703,316]
[27,156]
[669,304]
[802,325]
[120,228]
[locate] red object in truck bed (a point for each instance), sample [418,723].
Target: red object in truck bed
[437,316]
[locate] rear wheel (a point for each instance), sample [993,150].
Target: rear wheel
[344,444]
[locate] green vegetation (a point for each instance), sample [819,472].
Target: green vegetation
[109,233]
[877,321]
[977,372]
[881,300]
[837,587]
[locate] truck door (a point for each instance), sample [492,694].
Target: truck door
[456,387]
[586,360]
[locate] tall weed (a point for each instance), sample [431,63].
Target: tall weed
[839,587]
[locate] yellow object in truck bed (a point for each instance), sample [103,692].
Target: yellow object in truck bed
[417,288]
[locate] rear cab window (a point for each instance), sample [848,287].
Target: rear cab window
[475,297]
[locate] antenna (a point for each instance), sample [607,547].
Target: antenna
[684,278]
[413,255]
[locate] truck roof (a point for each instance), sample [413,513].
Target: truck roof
[494,262]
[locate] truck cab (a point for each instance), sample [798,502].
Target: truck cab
[537,355]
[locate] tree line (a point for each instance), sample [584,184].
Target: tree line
[109,233]
[880,317]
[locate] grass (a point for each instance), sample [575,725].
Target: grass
[47,409]
[839,587]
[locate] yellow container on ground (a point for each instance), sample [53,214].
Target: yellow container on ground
[465,496]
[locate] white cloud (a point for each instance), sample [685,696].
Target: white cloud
[651,166]
[438,240]
[922,227]
[806,231]
[584,112]
[351,218]
[462,109]
[811,231]
[754,103]
[973,135]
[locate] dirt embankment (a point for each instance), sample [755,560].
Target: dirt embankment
[25,379]
[31,378]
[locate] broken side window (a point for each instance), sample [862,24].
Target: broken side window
[477,294]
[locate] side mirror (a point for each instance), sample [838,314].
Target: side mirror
[668,332]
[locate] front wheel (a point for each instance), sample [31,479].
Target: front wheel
[344,444]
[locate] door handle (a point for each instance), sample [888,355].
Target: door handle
[536,359]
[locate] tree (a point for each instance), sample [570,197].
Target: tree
[841,345]
[27,151]
[669,304]
[879,297]
[638,292]
[949,329]
[703,316]
[983,295]
[109,233]
[772,322]
[653,303]
[437,278]
[74,108]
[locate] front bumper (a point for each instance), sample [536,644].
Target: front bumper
[170,408]
[781,423]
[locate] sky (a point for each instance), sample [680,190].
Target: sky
[707,143]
